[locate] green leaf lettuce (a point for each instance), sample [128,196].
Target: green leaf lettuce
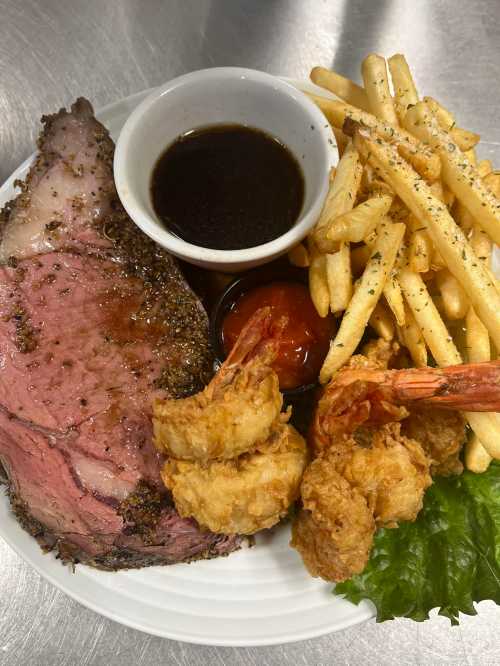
[448,558]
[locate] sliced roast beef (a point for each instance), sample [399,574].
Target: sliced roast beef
[95,321]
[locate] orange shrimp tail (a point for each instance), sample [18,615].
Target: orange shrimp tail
[473,387]
[260,337]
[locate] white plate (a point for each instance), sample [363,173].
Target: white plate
[257,596]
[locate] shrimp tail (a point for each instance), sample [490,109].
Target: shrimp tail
[473,387]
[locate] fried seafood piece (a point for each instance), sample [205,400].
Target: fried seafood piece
[244,495]
[442,435]
[360,395]
[239,408]
[392,473]
[334,530]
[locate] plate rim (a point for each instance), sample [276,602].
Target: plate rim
[361,612]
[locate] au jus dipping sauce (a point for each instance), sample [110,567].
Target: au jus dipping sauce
[227,187]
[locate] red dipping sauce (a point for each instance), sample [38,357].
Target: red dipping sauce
[306,337]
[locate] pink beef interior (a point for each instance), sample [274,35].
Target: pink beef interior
[95,320]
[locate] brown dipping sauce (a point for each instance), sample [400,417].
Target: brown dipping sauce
[227,187]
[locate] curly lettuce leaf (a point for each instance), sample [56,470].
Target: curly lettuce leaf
[448,558]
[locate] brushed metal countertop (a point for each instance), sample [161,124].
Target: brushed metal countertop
[53,50]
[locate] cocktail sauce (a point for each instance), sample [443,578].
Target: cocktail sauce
[227,187]
[306,338]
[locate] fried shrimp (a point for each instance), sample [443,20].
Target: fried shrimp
[244,495]
[239,408]
[334,530]
[366,466]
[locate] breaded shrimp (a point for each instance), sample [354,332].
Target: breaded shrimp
[239,408]
[244,495]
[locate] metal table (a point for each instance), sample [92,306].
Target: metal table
[53,50]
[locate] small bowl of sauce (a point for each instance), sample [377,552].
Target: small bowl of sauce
[306,337]
[227,168]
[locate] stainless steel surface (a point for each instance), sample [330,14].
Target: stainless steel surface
[51,51]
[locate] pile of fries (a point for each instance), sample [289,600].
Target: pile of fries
[405,238]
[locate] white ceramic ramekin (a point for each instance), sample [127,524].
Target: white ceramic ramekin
[222,95]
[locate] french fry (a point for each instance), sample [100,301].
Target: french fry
[318,282]
[420,251]
[486,425]
[477,339]
[464,139]
[359,259]
[374,72]
[405,92]
[394,298]
[381,322]
[457,172]
[366,295]
[341,139]
[477,343]
[455,301]
[354,225]
[481,244]
[338,273]
[299,256]
[413,339]
[444,117]
[484,168]
[492,181]
[446,235]
[477,458]
[342,191]
[339,85]
[419,155]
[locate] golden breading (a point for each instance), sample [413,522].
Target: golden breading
[442,435]
[334,531]
[239,408]
[392,474]
[244,495]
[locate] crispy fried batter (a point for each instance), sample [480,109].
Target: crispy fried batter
[392,473]
[238,409]
[442,435]
[334,531]
[244,495]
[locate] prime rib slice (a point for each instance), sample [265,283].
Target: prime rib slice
[95,320]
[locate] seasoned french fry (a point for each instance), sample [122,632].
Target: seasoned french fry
[381,322]
[419,155]
[354,225]
[455,301]
[341,139]
[359,259]
[492,181]
[366,295]
[413,339]
[405,92]
[457,172]
[374,72]
[464,139]
[477,343]
[444,117]
[446,235]
[420,251]
[481,244]
[299,256]
[484,168]
[477,339]
[318,283]
[339,85]
[394,298]
[343,190]
[338,273]
[477,458]
[471,156]
[486,425]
